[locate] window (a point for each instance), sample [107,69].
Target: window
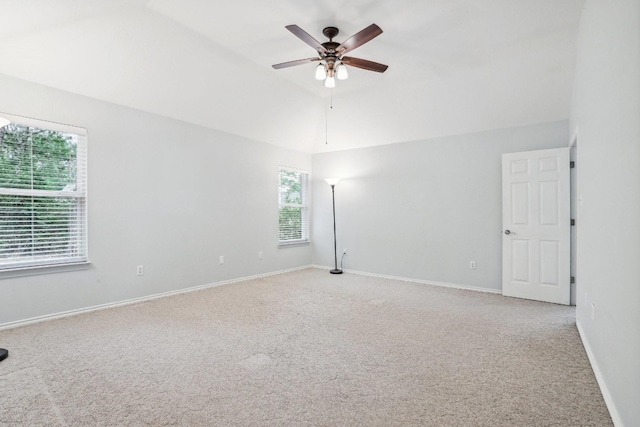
[294,209]
[43,194]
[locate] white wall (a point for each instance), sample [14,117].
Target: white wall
[606,114]
[424,209]
[162,193]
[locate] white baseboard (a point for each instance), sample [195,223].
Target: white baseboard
[19,323]
[424,282]
[606,394]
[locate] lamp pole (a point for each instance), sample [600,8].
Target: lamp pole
[332,182]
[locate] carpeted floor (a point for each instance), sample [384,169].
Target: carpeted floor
[305,349]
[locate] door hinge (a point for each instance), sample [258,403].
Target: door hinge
[573,279]
[573,221]
[572,164]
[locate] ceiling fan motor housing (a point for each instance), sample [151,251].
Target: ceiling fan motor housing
[330,56]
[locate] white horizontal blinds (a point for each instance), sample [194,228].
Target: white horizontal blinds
[293,203]
[43,206]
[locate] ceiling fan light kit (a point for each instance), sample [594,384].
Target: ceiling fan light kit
[330,82]
[341,72]
[321,72]
[331,54]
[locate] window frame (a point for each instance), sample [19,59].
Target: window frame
[27,265]
[305,208]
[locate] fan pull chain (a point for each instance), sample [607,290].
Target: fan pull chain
[326,120]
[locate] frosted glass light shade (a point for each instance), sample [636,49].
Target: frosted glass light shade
[332,181]
[342,73]
[330,82]
[4,122]
[321,72]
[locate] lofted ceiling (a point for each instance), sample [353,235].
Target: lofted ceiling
[455,66]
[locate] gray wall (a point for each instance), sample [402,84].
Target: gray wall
[424,209]
[606,116]
[162,193]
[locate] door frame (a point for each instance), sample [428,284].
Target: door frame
[574,204]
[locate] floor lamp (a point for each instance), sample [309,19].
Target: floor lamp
[3,352]
[332,182]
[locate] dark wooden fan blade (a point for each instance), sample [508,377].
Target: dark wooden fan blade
[294,63]
[364,64]
[359,39]
[305,37]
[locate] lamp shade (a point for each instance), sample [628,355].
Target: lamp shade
[341,72]
[332,181]
[4,122]
[330,82]
[321,72]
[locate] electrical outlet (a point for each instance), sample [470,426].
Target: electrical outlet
[472,265]
[221,259]
[140,270]
[344,251]
[259,255]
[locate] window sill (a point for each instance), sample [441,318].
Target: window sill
[10,273]
[293,243]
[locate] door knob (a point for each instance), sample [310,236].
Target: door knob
[509,232]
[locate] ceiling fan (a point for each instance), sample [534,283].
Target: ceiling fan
[331,54]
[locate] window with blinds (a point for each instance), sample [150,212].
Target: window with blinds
[43,194]
[294,209]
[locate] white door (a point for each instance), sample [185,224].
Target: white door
[536,225]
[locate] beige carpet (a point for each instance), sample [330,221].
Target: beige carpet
[305,349]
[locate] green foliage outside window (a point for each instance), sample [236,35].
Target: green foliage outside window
[37,168]
[290,223]
[292,220]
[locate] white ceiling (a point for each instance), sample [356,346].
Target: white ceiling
[455,66]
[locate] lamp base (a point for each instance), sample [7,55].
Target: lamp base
[336,271]
[3,353]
